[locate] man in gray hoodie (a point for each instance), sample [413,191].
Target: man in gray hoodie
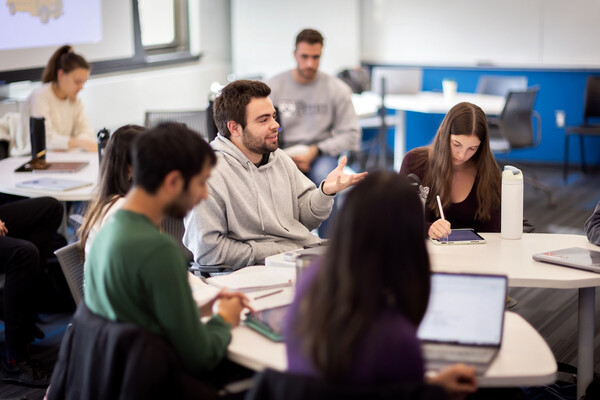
[260,204]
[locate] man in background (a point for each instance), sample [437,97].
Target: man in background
[316,112]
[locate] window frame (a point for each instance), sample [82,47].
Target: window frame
[152,56]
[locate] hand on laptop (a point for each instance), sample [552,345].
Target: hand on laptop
[337,181]
[3,230]
[457,380]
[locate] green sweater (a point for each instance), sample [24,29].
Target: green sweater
[136,274]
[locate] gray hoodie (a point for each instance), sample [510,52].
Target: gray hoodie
[252,213]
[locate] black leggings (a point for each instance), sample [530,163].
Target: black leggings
[31,224]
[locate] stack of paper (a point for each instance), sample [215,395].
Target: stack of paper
[255,278]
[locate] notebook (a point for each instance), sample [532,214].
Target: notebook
[39,165]
[464,320]
[254,278]
[53,184]
[575,257]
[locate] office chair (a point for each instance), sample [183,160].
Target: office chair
[591,109]
[175,228]
[274,385]
[70,259]
[514,130]
[357,78]
[500,85]
[103,359]
[196,120]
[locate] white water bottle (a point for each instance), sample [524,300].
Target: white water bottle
[511,223]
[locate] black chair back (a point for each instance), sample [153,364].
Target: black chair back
[500,85]
[211,127]
[274,385]
[516,118]
[591,101]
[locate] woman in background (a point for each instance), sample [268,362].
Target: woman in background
[459,167]
[67,125]
[356,311]
[113,184]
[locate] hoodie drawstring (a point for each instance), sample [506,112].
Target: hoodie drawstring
[251,168]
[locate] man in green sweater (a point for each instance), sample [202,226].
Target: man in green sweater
[136,274]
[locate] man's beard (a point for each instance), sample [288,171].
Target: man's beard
[176,209]
[258,145]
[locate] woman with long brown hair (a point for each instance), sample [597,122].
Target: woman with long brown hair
[113,184]
[459,167]
[356,311]
[67,125]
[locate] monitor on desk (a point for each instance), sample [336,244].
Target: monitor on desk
[397,80]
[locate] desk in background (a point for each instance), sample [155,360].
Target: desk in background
[9,178]
[367,103]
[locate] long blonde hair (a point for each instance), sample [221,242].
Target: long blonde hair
[463,119]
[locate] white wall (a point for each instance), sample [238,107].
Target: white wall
[512,33]
[264,33]
[122,98]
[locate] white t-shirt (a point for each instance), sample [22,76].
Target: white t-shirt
[65,119]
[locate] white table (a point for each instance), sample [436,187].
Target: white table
[524,359]
[513,259]
[9,178]
[367,103]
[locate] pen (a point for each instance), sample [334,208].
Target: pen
[440,207]
[268,294]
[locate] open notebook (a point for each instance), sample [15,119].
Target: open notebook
[464,320]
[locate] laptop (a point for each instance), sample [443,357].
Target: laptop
[575,257]
[464,320]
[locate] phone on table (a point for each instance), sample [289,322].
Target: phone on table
[268,322]
[460,236]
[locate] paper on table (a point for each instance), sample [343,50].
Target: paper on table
[254,278]
[201,292]
[282,298]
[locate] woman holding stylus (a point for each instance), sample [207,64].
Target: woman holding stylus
[460,168]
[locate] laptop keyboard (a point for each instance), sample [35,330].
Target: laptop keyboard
[458,354]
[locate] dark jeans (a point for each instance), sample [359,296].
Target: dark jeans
[31,224]
[319,169]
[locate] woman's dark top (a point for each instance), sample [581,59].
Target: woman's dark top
[460,215]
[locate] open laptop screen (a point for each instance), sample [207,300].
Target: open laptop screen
[465,309]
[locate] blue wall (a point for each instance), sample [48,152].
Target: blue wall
[559,90]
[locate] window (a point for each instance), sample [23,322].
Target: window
[141,33]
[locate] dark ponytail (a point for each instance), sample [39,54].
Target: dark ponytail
[64,58]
